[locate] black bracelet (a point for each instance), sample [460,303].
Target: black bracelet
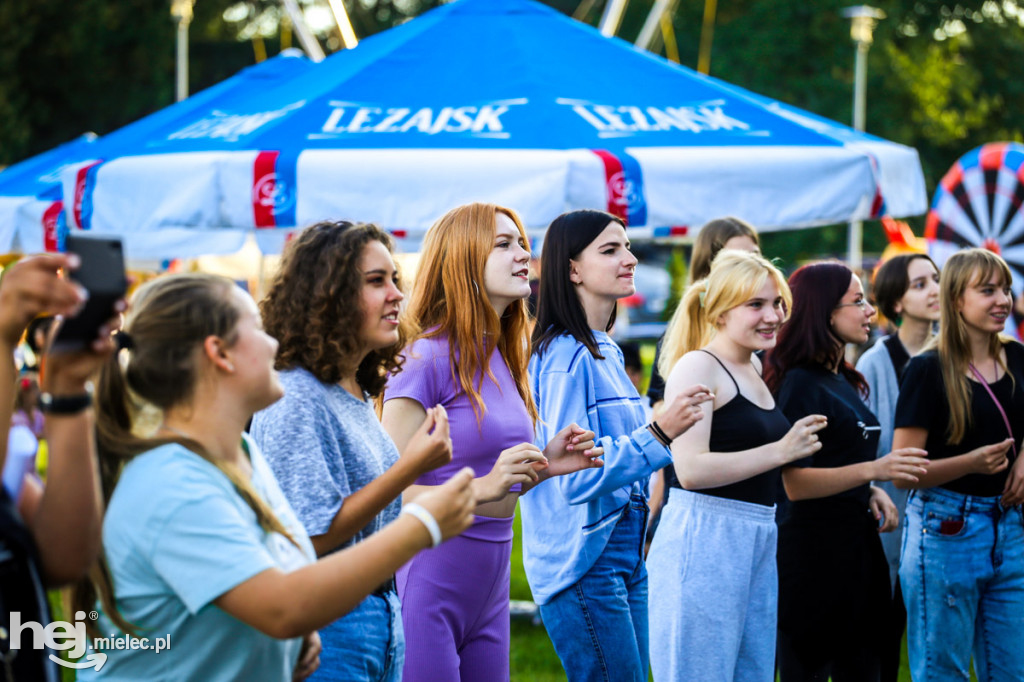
[65,404]
[662,436]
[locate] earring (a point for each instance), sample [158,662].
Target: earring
[231,367]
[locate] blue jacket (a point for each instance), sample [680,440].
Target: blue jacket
[567,520]
[876,366]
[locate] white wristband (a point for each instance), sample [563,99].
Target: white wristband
[427,519]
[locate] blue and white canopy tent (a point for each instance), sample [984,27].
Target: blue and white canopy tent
[505,101]
[31,205]
[34,184]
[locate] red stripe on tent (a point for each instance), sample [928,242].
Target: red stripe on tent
[878,204]
[264,185]
[50,216]
[80,185]
[617,204]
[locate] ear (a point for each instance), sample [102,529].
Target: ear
[213,348]
[574,272]
[898,308]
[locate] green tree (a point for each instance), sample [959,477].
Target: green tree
[66,68]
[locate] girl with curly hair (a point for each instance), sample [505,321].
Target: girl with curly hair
[200,544]
[471,357]
[334,309]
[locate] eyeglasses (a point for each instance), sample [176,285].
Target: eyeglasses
[860,303]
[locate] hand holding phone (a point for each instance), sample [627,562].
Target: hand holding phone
[102,275]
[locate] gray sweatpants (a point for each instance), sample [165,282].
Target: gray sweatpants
[713,590]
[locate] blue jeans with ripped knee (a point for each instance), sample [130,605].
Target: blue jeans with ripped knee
[962,573]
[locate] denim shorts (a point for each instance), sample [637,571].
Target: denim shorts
[962,575]
[367,644]
[598,626]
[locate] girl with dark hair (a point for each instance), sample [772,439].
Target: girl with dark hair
[962,569]
[713,575]
[906,290]
[334,309]
[833,582]
[470,358]
[583,535]
[201,545]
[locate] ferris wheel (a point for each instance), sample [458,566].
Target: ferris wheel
[979,203]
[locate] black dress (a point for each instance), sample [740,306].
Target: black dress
[833,575]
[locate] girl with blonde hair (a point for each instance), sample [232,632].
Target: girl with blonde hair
[200,544]
[470,357]
[962,566]
[718,527]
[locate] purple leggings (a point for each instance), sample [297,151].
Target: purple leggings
[455,612]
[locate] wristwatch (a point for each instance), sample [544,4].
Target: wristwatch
[66,404]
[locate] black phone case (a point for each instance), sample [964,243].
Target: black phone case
[102,274]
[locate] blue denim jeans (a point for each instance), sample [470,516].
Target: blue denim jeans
[962,574]
[599,625]
[366,644]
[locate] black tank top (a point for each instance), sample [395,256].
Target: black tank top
[741,425]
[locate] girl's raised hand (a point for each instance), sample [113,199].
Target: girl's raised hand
[684,410]
[452,503]
[991,459]
[431,445]
[514,465]
[571,449]
[802,438]
[905,464]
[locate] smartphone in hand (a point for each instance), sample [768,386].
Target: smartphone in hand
[102,274]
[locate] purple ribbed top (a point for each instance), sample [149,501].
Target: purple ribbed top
[427,378]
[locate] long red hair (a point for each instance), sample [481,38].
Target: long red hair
[449,298]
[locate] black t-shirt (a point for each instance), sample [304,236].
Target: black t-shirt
[923,404]
[852,433]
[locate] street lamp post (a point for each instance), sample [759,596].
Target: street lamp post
[181,12]
[862,25]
